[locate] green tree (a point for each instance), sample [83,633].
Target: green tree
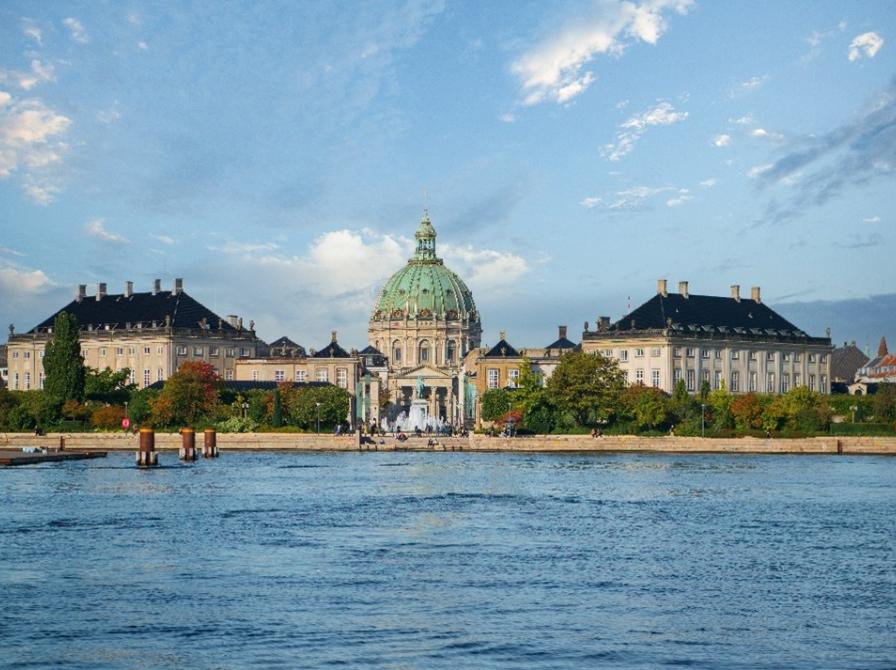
[720,404]
[884,403]
[189,394]
[496,403]
[63,362]
[108,385]
[588,386]
[302,406]
[277,411]
[646,407]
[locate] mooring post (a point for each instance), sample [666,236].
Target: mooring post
[62,443]
[210,447]
[188,444]
[147,455]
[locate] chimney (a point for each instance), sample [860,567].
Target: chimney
[128,289]
[81,293]
[683,289]
[661,287]
[156,286]
[100,291]
[178,286]
[562,332]
[233,320]
[755,295]
[502,335]
[332,336]
[735,292]
[603,323]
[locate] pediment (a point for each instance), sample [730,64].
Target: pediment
[426,372]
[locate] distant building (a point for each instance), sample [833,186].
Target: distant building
[845,363]
[881,368]
[736,343]
[150,333]
[4,370]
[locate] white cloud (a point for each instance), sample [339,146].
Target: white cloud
[143,46]
[751,84]
[484,269]
[11,252]
[682,197]
[872,219]
[721,141]
[164,239]
[39,73]
[108,116]
[76,29]
[555,69]
[746,120]
[762,133]
[708,183]
[867,44]
[507,117]
[42,192]
[245,248]
[635,197]
[634,128]
[97,228]
[591,202]
[31,31]
[16,281]
[758,170]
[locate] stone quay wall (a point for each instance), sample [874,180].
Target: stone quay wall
[539,443]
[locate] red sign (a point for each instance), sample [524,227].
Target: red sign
[125,423]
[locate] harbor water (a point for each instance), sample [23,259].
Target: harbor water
[450,560]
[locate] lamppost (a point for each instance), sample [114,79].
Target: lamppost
[854,408]
[317,405]
[702,419]
[245,407]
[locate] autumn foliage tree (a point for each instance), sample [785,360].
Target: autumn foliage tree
[189,394]
[588,386]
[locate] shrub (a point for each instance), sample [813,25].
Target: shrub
[107,418]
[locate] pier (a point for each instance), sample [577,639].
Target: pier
[9,457]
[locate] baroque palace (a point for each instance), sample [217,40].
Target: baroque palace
[424,345]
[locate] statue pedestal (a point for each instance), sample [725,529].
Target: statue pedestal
[417,414]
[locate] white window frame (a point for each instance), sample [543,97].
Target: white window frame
[493,377]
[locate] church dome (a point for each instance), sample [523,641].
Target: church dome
[424,288]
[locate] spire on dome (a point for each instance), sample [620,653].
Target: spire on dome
[426,239]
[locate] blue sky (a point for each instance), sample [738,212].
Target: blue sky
[278,156]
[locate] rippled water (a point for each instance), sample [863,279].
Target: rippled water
[450,560]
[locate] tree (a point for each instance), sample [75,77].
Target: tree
[108,385]
[190,393]
[302,406]
[747,412]
[884,403]
[645,406]
[588,386]
[496,403]
[63,362]
[277,411]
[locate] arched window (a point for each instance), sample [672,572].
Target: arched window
[423,352]
[450,351]
[396,351]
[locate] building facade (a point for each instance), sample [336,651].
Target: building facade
[735,343]
[151,334]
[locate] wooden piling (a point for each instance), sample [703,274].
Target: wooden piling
[188,444]
[147,455]
[210,446]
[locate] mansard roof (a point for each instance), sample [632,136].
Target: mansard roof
[846,361]
[332,350]
[562,343]
[118,310]
[282,342]
[502,349]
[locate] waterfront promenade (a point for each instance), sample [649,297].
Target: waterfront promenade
[537,443]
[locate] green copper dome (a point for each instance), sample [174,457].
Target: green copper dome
[425,288]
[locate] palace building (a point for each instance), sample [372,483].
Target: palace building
[424,323]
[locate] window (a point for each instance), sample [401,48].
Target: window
[27,354]
[213,351]
[752,355]
[160,350]
[623,355]
[797,379]
[513,378]
[811,382]
[823,386]
[692,380]
[754,382]
[639,376]
[245,352]
[279,375]
[450,351]
[705,353]
[132,351]
[735,354]
[300,376]
[676,377]
[706,375]
[40,382]
[655,352]
[717,380]
[785,356]
[690,352]
[718,354]
[254,375]
[639,353]
[323,375]
[146,350]
[735,381]
[785,382]
[625,376]
[655,378]
[147,377]
[102,351]
[230,352]
[824,359]
[342,377]
[119,351]
[770,355]
[770,383]
[228,375]
[423,352]
[41,354]
[396,351]
[160,375]
[15,354]
[132,377]
[15,382]
[606,353]
[27,381]
[797,357]
[181,351]
[493,378]
[197,351]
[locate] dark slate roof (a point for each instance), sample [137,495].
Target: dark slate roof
[332,350]
[502,349]
[370,349]
[117,310]
[707,314]
[845,361]
[373,357]
[284,346]
[284,341]
[562,343]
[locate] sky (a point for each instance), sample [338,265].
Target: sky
[278,156]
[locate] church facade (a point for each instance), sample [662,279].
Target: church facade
[423,324]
